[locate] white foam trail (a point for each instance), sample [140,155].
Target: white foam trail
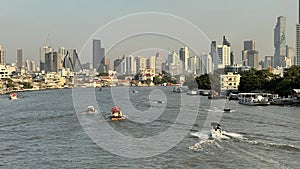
[233,135]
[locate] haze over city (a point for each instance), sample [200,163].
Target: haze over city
[69,24]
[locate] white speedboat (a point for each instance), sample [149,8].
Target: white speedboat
[90,109]
[216,130]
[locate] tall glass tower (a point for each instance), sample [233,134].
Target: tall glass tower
[280,41]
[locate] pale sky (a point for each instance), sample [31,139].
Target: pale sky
[70,23]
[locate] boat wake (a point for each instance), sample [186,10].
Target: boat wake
[207,140]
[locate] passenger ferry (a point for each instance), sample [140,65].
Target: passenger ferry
[255,99]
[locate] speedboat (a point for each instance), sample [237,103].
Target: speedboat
[116,114]
[13,96]
[90,109]
[216,130]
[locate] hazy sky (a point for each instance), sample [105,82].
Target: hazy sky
[26,23]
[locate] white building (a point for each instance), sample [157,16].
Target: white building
[206,64]
[193,64]
[2,56]
[224,55]
[130,65]
[3,72]
[230,81]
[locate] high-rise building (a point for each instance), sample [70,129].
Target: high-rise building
[62,51]
[193,64]
[130,65]
[249,45]
[268,62]
[71,60]
[206,64]
[224,54]
[280,41]
[33,66]
[2,56]
[27,65]
[19,58]
[250,55]
[184,55]
[141,64]
[43,51]
[151,62]
[290,55]
[158,63]
[98,56]
[297,59]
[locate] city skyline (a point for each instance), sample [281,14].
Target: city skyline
[83,19]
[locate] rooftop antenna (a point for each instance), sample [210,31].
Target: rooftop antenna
[48,41]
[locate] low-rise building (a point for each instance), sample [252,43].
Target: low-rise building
[230,81]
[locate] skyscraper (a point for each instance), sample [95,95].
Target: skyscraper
[27,65]
[184,55]
[280,41]
[297,59]
[2,56]
[98,56]
[19,58]
[43,51]
[250,55]
[32,66]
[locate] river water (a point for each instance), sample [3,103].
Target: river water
[43,129]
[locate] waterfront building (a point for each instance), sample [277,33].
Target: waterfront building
[280,41]
[3,72]
[2,56]
[98,56]
[19,58]
[43,51]
[230,81]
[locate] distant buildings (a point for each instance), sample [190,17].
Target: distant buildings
[223,52]
[2,56]
[184,55]
[206,64]
[98,56]
[297,59]
[280,41]
[250,55]
[19,58]
[43,51]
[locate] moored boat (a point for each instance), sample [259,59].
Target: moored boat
[255,99]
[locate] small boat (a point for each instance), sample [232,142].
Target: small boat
[13,96]
[216,130]
[135,91]
[90,109]
[116,114]
[226,109]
